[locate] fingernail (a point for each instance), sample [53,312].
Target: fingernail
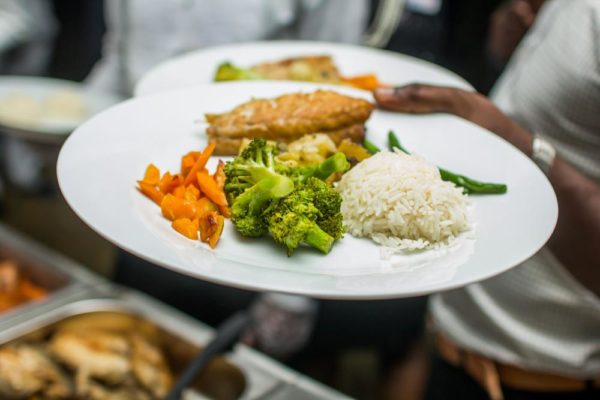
[384,94]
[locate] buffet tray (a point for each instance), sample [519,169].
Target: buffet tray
[263,378]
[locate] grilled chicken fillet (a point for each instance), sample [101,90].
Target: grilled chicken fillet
[288,118]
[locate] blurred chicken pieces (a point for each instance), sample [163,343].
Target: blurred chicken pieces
[288,118]
[26,371]
[108,357]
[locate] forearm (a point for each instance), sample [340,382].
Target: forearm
[576,239]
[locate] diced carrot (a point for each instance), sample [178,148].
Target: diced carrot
[165,183]
[186,227]
[219,175]
[151,192]
[208,225]
[174,208]
[179,192]
[188,161]
[200,164]
[204,205]
[209,187]
[191,193]
[225,211]
[152,175]
[214,238]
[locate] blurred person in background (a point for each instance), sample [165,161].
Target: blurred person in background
[141,35]
[27,30]
[534,331]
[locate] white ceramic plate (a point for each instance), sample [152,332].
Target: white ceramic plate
[42,99]
[199,67]
[100,163]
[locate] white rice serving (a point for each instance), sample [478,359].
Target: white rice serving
[401,202]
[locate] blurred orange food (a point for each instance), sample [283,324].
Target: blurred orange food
[15,288]
[193,200]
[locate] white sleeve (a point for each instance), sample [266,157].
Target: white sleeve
[107,72]
[13,24]
[333,20]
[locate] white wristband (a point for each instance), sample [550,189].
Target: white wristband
[543,154]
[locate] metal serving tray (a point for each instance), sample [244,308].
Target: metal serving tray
[61,277]
[263,378]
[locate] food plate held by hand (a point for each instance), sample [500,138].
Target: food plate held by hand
[105,156]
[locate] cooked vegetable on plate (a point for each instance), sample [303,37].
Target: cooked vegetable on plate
[192,199]
[292,204]
[320,69]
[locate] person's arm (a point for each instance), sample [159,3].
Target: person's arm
[577,235]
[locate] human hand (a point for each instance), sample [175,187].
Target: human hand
[472,106]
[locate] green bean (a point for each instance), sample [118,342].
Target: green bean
[371,147]
[470,186]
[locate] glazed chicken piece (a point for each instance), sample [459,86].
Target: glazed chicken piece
[102,355]
[150,367]
[288,118]
[26,371]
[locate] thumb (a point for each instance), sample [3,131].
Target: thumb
[421,99]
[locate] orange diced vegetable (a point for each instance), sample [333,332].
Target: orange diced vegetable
[205,205]
[186,227]
[225,211]
[200,164]
[194,199]
[151,192]
[191,193]
[208,224]
[209,187]
[214,238]
[164,185]
[174,208]
[152,175]
[366,82]
[219,175]
[188,161]
[179,192]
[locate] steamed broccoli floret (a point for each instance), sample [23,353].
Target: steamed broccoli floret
[251,184]
[292,221]
[257,161]
[293,204]
[229,72]
[329,203]
[246,210]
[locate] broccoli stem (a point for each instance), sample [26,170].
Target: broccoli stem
[469,185]
[319,239]
[272,187]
